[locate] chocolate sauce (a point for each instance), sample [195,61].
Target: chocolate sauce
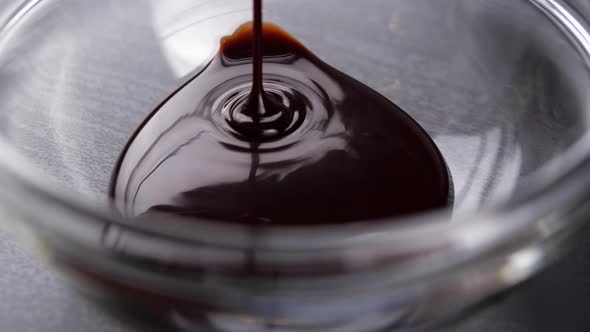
[298,144]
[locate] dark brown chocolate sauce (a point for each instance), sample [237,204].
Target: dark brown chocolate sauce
[299,143]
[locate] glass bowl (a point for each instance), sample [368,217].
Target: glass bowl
[501,86]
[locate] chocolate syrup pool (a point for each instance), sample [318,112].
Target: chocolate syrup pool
[318,148]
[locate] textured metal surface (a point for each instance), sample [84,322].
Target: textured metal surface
[35,298]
